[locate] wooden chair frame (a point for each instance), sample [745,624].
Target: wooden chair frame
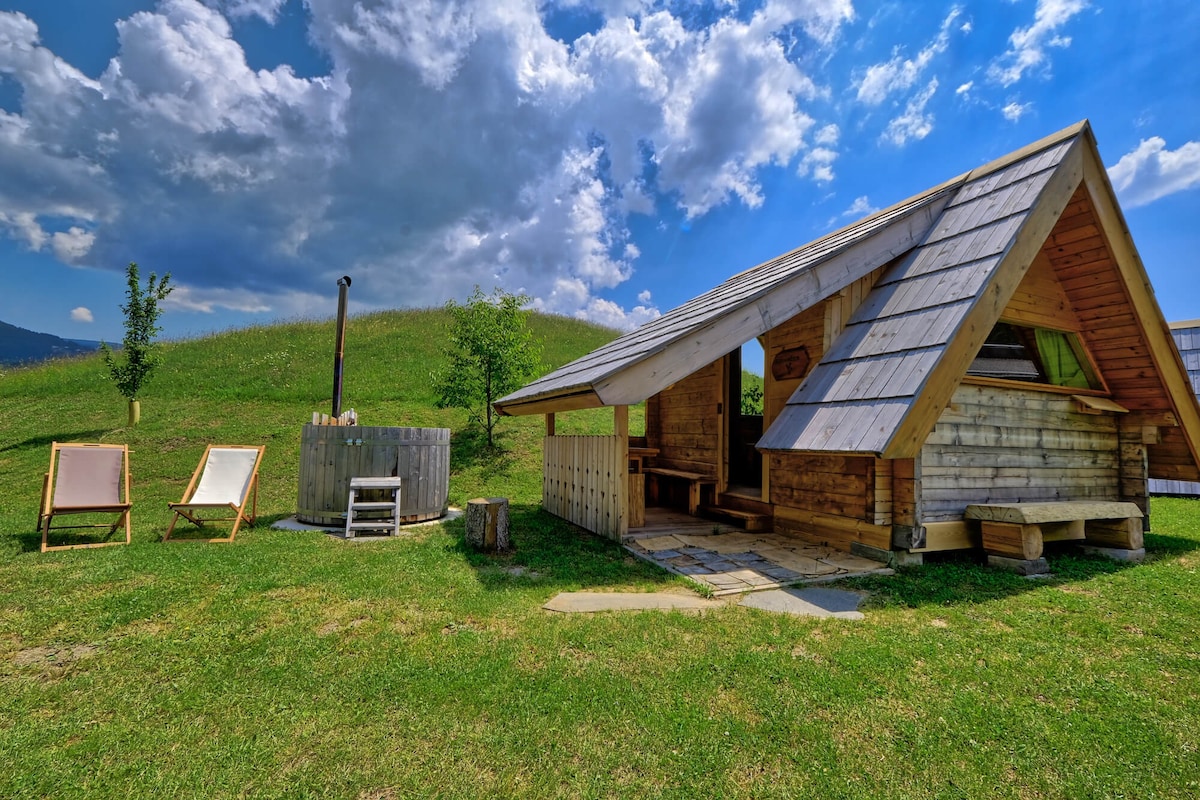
[191,511]
[47,511]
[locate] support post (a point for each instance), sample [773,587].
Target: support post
[550,424]
[340,346]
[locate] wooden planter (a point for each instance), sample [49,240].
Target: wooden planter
[330,455]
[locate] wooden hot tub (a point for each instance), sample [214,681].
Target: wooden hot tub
[330,455]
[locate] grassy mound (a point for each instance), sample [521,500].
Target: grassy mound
[293,664]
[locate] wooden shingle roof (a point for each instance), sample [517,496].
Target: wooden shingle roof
[907,338]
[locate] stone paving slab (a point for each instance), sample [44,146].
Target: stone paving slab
[737,562]
[807,602]
[585,602]
[818,601]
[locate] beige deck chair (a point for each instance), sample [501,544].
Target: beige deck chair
[226,479]
[85,479]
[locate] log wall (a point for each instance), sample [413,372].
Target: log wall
[584,481]
[832,500]
[685,424]
[1009,445]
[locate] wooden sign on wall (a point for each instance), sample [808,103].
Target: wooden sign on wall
[790,364]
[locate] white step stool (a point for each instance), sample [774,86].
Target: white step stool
[393,505]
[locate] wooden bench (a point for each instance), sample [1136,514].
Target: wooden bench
[1018,530]
[695,481]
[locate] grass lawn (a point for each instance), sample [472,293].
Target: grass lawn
[296,665]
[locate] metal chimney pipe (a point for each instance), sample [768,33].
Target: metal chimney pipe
[340,348]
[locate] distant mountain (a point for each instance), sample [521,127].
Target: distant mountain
[19,346]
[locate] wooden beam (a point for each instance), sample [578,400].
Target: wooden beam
[571,402]
[621,421]
[550,424]
[1163,352]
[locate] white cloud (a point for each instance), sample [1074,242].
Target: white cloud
[900,74]
[266,9]
[1013,111]
[453,143]
[609,314]
[915,123]
[828,136]
[861,207]
[1027,46]
[81,314]
[644,297]
[1150,171]
[72,245]
[965,88]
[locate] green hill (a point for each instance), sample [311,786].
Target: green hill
[258,386]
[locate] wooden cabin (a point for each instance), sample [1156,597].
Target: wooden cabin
[1187,340]
[991,342]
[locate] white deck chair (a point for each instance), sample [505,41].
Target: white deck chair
[85,479]
[227,480]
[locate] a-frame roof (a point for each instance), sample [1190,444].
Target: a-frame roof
[929,314]
[957,253]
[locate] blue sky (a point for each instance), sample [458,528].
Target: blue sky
[610,158]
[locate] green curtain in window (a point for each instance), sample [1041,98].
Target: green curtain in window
[1059,360]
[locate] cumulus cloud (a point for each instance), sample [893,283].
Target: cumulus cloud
[452,143]
[915,123]
[900,74]
[1028,46]
[81,314]
[1150,171]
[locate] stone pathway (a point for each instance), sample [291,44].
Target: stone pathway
[813,601]
[737,562]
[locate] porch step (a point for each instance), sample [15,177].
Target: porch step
[744,502]
[751,521]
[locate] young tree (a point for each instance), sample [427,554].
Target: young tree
[141,326]
[491,352]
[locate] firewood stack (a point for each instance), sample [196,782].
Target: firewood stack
[347,417]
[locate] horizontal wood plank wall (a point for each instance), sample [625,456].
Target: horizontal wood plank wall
[906,491]
[1002,445]
[682,422]
[1135,486]
[828,500]
[807,330]
[1083,262]
[1040,300]
[584,481]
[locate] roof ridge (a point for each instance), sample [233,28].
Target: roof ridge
[1045,143]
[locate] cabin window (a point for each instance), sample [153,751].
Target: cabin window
[1035,355]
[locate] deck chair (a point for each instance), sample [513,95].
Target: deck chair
[225,480]
[85,479]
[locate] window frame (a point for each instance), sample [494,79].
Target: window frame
[1078,348]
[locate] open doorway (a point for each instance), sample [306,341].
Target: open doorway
[745,404]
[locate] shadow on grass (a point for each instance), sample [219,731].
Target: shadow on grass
[965,578]
[38,442]
[551,552]
[31,542]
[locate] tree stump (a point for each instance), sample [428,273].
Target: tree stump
[487,523]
